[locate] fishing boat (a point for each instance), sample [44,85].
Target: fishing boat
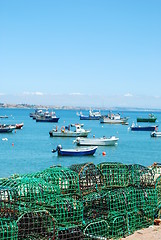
[75,152]
[47,117]
[114,119]
[92,116]
[67,132]
[6,128]
[151,118]
[155,134]
[103,141]
[143,128]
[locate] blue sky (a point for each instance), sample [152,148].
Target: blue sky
[81,52]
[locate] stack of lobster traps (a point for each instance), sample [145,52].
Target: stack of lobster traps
[84,201]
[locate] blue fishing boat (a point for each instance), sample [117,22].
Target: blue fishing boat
[75,152]
[92,116]
[143,128]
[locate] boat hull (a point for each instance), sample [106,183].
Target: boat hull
[146,119]
[113,121]
[97,141]
[82,117]
[6,130]
[47,120]
[76,152]
[139,128]
[68,134]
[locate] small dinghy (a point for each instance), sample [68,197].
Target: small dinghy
[75,152]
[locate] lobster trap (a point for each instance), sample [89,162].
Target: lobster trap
[114,174]
[29,191]
[64,178]
[36,225]
[146,197]
[117,225]
[96,229]
[140,176]
[66,209]
[90,177]
[140,218]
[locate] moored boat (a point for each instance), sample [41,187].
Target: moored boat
[47,117]
[6,129]
[143,128]
[67,132]
[75,152]
[4,116]
[151,118]
[155,134]
[92,116]
[114,119]
[111,141]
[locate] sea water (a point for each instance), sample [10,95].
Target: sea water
[29,149]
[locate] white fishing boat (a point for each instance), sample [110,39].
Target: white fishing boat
[67,132]
[114,119]
[155,134]
[103,141]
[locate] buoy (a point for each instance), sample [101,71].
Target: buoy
[12,144]
[103,153]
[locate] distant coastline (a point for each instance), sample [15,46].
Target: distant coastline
[34,106]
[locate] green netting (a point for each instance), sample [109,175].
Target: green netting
[38,225]
[118,225]
[8,230]
[67,210]
[81,199]
[70,234]
[66,179]
[158,191]
[146,197]
[114,174]
[8,202]
[96,229]
[123,199]
[90,177]
[140,176]
[30,190]
[138,219]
